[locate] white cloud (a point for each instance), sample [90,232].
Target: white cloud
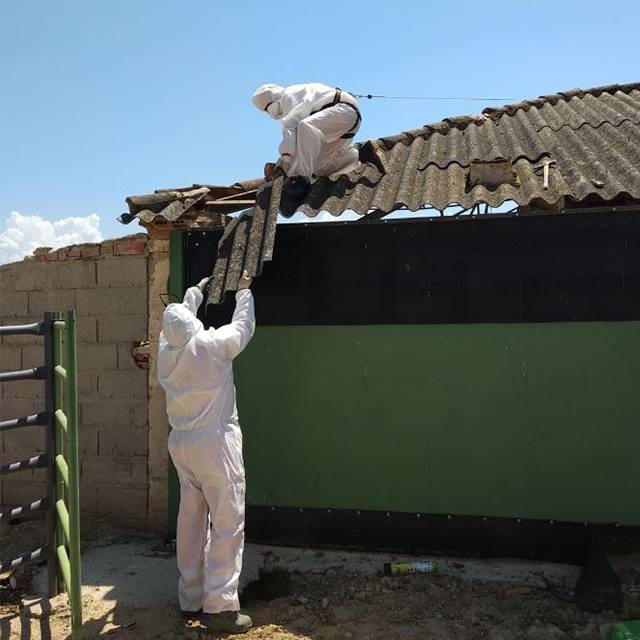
[25,233]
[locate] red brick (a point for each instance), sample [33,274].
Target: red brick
[52,255]
[62,253]
[90,250]
[106,247]
[130,246]
[74,251]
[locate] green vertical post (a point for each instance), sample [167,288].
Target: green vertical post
[176,287]
[75,590]
[58,344]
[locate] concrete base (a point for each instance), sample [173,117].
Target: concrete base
[142,573]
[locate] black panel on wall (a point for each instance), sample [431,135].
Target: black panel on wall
[552,268]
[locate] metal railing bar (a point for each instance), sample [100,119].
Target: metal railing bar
[63,469]
[61,419]
[41,460]
[35,328]
[27,421]
[60,371]
[27,558]
[63,517]
[65,565]
[36,373]
[14,512]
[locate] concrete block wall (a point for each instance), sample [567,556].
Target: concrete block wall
[107,285]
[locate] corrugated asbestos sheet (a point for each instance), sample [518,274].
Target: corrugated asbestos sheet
[590,140]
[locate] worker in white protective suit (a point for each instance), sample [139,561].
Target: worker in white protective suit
[205,443]
[318,125]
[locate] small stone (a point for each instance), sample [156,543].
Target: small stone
[325,603]
[343,614]
[331,573]
[519,591]
[348,634]
[302,600]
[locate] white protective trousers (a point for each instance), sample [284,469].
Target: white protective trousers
[317,146]
[195,369]
[210,533]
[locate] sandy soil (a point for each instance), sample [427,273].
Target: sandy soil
[341,604]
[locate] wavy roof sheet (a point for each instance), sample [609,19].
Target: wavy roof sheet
[592,138]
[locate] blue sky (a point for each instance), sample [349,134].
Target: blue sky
[101,100]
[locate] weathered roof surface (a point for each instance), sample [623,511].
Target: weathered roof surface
[591,137]
[171,204]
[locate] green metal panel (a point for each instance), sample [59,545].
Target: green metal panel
[176,288]
[521,420]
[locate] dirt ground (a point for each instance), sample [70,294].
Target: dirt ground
[334,604]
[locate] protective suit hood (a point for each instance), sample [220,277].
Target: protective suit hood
[267,98]
[179,325]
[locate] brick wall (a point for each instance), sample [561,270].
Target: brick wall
[107,284]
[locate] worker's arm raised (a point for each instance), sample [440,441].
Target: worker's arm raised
[232,338]
[193,299]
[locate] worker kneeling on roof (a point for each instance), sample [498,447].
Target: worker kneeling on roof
[195,370]
[318,126]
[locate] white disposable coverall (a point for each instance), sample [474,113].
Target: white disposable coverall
[195,370]
[313,140]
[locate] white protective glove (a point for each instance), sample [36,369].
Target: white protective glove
[245,281]
[202,284]
[284,162]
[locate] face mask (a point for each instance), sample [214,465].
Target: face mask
[275,110]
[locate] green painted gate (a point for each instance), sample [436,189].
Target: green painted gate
[532,420]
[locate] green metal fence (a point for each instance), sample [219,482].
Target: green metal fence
[59,420]
[67,481]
